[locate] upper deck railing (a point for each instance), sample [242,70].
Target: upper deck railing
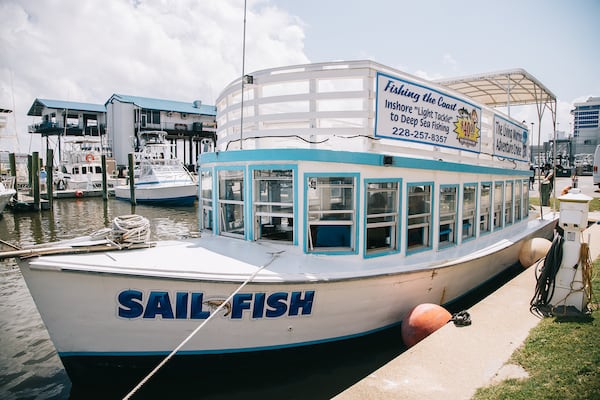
[356,102]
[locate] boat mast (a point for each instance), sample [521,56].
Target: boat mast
[243,79]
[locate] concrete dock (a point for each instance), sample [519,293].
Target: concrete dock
[454,362]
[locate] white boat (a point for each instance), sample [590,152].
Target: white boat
[81,165]
[159,178]
[354,193]
[7,191]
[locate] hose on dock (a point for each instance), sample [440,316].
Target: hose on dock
[546,280]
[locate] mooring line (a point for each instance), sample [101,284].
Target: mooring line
[191,335]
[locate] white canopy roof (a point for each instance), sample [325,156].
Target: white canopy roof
[502,89]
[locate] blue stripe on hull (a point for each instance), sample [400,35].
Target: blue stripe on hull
[176,201]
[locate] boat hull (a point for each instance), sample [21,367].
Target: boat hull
[148,316]
[160,194]
[5,197]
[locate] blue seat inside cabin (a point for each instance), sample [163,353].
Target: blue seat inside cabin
[333,236]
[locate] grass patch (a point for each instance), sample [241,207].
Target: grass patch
[562,357]
[594,204]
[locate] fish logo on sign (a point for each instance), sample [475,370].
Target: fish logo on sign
[466,129]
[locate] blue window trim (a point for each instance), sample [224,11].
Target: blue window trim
[456,221]
[217,205]
[491,208]
[214,197]
[356,177]
[294,168]
[508,223]
[476,216]
[398,219]
[501,206]
[431,220]
[364,158]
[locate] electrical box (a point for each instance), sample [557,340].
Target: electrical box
[574,208]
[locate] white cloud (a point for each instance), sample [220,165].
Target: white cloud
[173,49]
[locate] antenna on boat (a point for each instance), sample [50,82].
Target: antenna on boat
[243,80]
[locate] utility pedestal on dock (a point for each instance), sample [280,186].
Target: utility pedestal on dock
[570,287]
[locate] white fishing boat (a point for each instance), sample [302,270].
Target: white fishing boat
[7,191]
[353,193]
[159,177]
[81,165]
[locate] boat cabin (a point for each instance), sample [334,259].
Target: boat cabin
[359,159]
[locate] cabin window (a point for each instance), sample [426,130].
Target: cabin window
[508,203]
[98,169]
[274,204]
[485,200]
[231,202]
[498,199]
[525,199]
[331,213]
[469,204]
[206,200]
[382,216]
[448,214]
[419,217]
[518,201]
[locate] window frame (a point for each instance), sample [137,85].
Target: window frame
[394,245]
[309,241]
[453,230]
[256,225]
[235,203]
[489,215]
[473,223]
[428,214]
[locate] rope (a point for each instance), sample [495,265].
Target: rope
[191,335]
[461,318]
[585,260]
[130,229]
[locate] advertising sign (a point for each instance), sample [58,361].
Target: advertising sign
[510,140]
[410,111]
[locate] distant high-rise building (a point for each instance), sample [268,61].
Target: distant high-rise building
[586,125]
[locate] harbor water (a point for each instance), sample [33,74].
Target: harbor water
[31,369]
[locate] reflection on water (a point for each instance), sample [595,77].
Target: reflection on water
[29,365]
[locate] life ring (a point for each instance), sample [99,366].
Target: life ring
[89,157]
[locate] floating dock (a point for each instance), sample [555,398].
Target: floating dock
[71,194]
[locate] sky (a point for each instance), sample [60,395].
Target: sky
[186,50]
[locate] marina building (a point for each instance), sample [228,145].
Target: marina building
[586,127]
[190,126]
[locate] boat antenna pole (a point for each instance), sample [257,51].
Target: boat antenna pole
[243,79]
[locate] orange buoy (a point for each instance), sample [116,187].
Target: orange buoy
[422,321]
[532,250]
[79,193]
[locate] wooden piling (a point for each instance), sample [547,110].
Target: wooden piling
[131,178]
[12,159]
[35,178]
[104,180]
[50,177]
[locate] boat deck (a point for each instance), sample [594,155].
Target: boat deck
[218,258]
